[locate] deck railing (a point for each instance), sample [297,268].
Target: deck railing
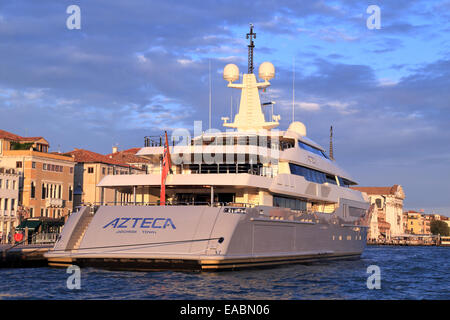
[172,203]
[45,238]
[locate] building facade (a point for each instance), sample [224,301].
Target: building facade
[387,215]
[9,201]
[46,179]
[418,223]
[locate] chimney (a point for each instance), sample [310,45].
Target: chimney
[114,149]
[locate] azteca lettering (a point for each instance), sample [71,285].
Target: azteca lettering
[146,223]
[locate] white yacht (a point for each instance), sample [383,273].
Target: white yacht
[250,196]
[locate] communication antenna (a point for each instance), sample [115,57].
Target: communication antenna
[231,107]
[331,143]
[209,93]
[293,90]
[251,46]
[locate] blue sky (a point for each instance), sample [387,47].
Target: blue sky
[137,68]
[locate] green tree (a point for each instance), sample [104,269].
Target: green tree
[20,146]
[439,227]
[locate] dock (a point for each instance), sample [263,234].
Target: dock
[23,256]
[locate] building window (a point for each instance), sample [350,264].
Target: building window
[5,204]
[18,164]
[1,183]
[43,192]
[33,165]
[42,212]
[44,166]
[13,204]
[70,193]
[91,170]
[6,184]
[71,170]
[378,202]
[33,190]
[31,213]
[14,184]
[103,171]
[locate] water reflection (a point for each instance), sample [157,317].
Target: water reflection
[406,273]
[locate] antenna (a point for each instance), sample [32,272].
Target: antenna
[331,143]
[231,107]
[209,93]
[251,36]
[293,90]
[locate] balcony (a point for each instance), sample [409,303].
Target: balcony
[54,203]
[7,213]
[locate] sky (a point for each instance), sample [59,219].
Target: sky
[137,68]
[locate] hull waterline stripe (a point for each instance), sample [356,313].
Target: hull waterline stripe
[138,244]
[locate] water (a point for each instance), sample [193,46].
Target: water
[406,273]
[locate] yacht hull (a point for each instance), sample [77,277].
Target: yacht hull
[202,238]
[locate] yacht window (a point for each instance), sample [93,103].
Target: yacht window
[291,203]
[331,179]
[344,182]
[312,149]
[309,174]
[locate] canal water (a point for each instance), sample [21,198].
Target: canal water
[405,273]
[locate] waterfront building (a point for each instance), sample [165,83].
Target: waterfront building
[90,168]
[46,179]
[387,216]
[9,200]
[418,223]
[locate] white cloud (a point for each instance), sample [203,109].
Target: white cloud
[184,61]
[141,58]
[308,106]
[386,82]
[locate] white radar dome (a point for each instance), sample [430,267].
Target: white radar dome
[298,127]
[231,72]
[266,71]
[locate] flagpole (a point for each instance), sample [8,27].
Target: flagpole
[166,169]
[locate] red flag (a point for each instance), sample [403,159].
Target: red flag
[166,168]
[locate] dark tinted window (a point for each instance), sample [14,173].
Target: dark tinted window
[331,179]
[344,182]
[312,149]
[309,174]
[285,202]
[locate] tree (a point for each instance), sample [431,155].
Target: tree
[20,146]
[439,227]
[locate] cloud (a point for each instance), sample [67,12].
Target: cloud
[135,70]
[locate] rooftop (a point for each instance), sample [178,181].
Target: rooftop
[86,156]
[379,190]
[14,137]
[127,156]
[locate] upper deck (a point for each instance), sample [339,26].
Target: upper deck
[250,161]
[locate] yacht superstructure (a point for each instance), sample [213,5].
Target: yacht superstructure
[250,196]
